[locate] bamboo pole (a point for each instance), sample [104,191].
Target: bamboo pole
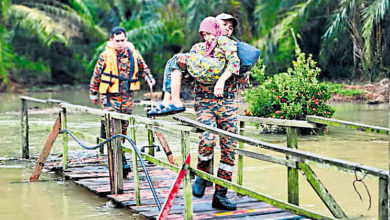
[185,150]
[64,139]
[240,157]
[24,126]
[292,173]
[135,164]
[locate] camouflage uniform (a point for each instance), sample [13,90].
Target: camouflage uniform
[220,113]
[121,102]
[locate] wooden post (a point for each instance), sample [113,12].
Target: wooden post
[24,126]
[240,157]
[187,188]
[388,176]
[135,164]
[118,165]
[64,139]
[150,142]
[382,199]
[321,191]
[102,135]
[292,173]
[110,153]
[55,130]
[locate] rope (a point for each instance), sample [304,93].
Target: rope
[135,149]
[368,192]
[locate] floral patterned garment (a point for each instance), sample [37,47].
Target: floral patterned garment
[207,70]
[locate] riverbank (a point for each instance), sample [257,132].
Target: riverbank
[371,93]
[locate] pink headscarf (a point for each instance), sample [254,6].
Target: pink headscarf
[210,25]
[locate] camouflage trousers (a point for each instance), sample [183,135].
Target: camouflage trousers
[121,103]
[220,113]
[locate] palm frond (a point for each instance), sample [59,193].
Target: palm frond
[290,20]
[39,24]
[372,16]
[146,37]
[82,10]
[338,20]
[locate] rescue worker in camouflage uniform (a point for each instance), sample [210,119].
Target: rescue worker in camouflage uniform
[215,105]
[117,75]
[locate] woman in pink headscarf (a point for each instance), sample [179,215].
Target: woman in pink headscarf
[211,65]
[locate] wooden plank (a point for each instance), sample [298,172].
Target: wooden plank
[277,203]
[110,152]
[166,148]
[267,158]
[279,122]
[143,120]
[135,163]
[292,173]
[302,155]
[187,186]
[382,199]
[24,126]
[64,139]
[118,165]
[46,150]
[321,191]
[32,99]
[347,124]
[240,170]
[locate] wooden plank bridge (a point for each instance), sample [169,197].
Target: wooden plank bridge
[103,174]
[93,175]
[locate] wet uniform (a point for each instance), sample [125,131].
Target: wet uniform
[121,101]
[220,113]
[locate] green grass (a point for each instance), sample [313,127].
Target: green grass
[337,88]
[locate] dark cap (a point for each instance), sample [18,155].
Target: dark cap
[224,16]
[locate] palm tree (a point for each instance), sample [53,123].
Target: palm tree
[274,21]
[364,22]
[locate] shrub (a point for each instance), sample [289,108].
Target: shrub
[290,95]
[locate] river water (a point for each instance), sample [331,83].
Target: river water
[65,200]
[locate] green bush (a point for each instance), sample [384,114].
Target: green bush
[290,95]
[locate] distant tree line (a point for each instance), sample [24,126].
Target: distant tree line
[44,42]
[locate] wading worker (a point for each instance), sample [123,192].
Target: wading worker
[117,75]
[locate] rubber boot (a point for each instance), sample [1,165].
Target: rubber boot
[126,167]
[220,201]
[199,187]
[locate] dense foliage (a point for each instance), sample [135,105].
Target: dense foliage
[58,41]
[289,95]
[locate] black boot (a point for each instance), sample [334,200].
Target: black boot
[199,187]
[126,167]
[220,201]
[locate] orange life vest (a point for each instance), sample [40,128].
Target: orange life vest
[109,81]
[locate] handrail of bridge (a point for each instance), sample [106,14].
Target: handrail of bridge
[301,159]
[347,124]
[296,160]
[299,155]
